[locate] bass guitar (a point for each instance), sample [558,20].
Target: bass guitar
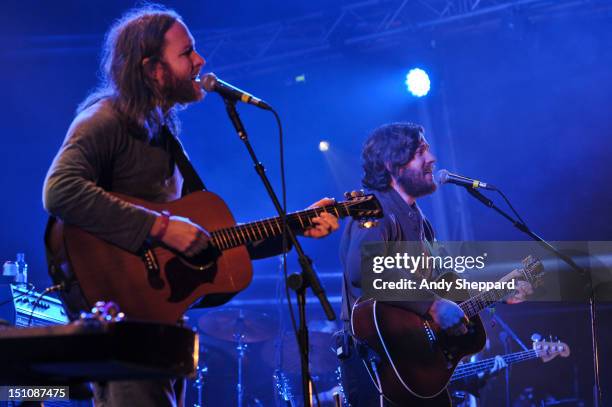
[546,350]
[160,284]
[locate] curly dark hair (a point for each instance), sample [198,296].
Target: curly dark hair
[138,34]
[388,147]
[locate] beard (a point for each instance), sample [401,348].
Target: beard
[178,90]
[416,183]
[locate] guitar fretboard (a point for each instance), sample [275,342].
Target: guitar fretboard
[532,268]
[266,228]
[474,305]
[472,368]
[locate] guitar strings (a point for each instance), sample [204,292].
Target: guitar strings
[476,367]
[481,301]
[227,238]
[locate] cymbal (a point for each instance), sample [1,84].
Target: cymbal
[323,325]
[232,323]
[322,357]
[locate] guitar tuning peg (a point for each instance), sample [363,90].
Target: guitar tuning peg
[536,337]
[367,224]
[354,194]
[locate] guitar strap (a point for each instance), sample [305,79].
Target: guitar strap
[191,183]
[191,180]
[345,301]
[345,294]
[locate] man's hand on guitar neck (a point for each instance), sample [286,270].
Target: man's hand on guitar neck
[449,316]
[325,223]
[183,235]
[523,288]
[180,234]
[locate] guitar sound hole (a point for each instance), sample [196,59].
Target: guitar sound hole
[183,277]
[203,260]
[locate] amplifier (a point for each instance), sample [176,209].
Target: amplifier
[17,303]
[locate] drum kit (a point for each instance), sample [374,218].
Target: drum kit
[257,334]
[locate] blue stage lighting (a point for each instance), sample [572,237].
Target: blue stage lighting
[324,146]
[417,82]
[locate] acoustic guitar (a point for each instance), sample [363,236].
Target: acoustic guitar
[160,284]
[417,358]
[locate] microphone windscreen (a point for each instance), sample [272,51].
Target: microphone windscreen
[208,82]
[442,177]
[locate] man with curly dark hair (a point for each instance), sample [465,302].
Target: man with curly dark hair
[398,168]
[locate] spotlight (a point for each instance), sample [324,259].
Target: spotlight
[417,82]
[323,146]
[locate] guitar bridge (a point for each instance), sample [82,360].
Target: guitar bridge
[153,272]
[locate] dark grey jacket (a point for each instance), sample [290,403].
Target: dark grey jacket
[401,222]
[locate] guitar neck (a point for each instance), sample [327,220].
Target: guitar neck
[532,270]
[267,228]
[483,366]
[485,299]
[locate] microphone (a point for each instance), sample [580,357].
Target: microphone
[211,83]
[444,177]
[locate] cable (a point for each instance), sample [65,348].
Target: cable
[284,220]
[47,290]
[284,225]
[512,208]
[12,299]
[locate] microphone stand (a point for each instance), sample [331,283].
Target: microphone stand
[568,260]
[509,331]
[503,337]
[299,282]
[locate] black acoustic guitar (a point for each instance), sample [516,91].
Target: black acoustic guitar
[417,358]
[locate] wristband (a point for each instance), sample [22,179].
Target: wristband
[163,226]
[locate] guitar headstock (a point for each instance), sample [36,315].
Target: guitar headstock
[548,350]
[283,386]
[363,207]
[533,269]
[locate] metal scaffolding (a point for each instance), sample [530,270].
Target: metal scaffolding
[368,25]
[363,25]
